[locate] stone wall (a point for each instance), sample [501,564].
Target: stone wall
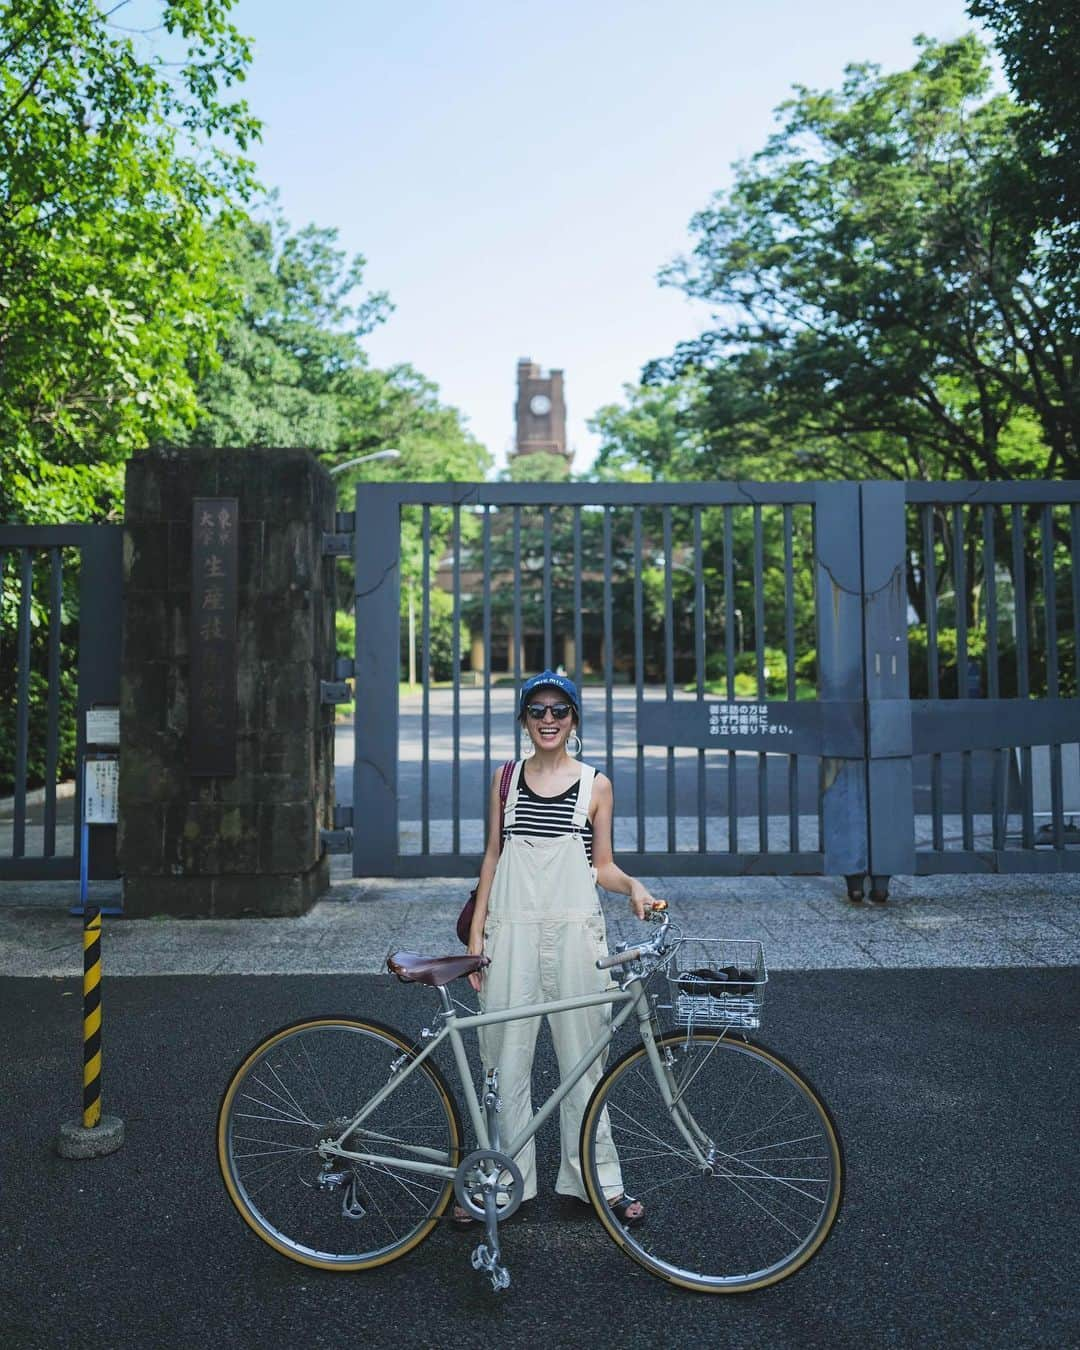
[247,844]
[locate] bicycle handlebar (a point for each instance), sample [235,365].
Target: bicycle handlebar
[658,914]
[621,958]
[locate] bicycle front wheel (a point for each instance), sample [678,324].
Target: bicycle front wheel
[770,1192]
[304,1084]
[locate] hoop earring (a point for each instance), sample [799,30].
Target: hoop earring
[571,748]
[527,751]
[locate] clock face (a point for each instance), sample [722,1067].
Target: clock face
[539,405]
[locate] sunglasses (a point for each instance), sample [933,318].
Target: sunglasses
[559,711]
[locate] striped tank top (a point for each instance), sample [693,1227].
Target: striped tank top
[547,817]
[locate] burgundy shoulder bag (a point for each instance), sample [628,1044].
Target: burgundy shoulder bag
[464,922]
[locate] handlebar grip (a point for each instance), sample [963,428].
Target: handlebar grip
[620,958]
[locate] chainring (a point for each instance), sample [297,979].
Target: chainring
[483,1166]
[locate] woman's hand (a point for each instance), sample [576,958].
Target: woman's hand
[640,899]
[476,979]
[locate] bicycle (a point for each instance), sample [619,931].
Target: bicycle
[341,1144]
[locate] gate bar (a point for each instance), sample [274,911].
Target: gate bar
[759,672]
[516,635]
[789,658]
[669,671]
[425,714]
[609,652]
[486,549]
[1057,816]
[967,823]
[1074,539]
[52,735]
[377,555]
[22,703]
[548,654]
[930,587]
[578,637]
[999,786]
[1023,687]
[888,717]
[838,564]
[639,679]
[455,661]
[699,667]
[729,658]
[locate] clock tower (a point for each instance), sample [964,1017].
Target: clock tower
[539,413]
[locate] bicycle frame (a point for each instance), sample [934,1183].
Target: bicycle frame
[436,1163]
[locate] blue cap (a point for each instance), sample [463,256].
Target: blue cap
[548,679]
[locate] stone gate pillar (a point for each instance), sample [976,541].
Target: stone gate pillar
[245,843]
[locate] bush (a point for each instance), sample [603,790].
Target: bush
[746,685]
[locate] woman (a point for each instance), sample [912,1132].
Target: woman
[538,919]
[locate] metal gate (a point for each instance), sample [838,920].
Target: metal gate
[60,605]
[778,678]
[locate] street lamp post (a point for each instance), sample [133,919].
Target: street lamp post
[365,459]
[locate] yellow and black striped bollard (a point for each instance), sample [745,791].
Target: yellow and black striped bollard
[91,1113]
[96,1134]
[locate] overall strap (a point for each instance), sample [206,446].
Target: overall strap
[584,795]
[512,796]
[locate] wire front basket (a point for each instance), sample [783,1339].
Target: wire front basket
[718,982]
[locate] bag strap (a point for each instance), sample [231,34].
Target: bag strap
[504,792]
[510,805]
[584,795]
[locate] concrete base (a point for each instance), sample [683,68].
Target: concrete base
[264,896]
[76,1141]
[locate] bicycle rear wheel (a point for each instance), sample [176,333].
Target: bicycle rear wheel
[773,1190]
[305,1083]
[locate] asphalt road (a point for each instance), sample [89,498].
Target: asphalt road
[954,1090]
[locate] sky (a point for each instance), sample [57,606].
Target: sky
[516,174]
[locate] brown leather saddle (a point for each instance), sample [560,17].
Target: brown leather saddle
[434,970]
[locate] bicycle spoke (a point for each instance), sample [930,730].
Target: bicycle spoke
[764,1194]
[288,1095]
[316,1078]
[299,1116]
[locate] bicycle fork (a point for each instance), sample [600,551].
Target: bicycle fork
[701,1146]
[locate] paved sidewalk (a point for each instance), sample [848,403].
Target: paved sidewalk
[806,923]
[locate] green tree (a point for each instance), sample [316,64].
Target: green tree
[291,370]
[656,434]
[1039,42]
[539,467]
[114,158]
[875,306]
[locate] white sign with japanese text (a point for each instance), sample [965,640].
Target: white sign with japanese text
[744,719]
[100,783]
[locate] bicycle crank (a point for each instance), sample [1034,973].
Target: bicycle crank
[488,1174]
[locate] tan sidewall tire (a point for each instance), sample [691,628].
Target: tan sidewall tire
[618,1235]
[397,1039]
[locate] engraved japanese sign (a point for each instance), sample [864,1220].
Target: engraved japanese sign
[212,704]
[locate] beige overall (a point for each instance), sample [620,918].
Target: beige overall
[543,933]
